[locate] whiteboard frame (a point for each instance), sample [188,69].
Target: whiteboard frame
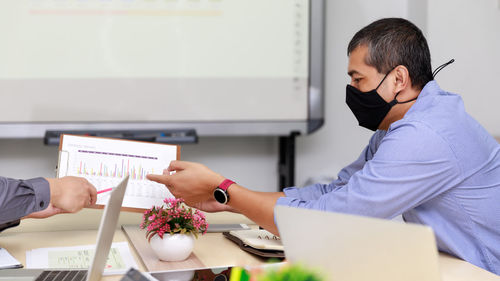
[217,128]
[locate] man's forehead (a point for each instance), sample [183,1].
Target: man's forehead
[357,61]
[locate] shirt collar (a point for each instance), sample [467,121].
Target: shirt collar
[430,88]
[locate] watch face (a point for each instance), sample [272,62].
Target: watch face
[220,196]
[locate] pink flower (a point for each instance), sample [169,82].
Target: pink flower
[173,217]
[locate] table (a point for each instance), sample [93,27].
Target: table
[212,249]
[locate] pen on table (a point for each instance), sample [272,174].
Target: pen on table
[104,190]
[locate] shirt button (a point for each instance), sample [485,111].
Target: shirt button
[42,204]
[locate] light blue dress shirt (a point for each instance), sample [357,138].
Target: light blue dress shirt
[437,166]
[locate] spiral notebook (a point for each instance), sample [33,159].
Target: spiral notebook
[259,242]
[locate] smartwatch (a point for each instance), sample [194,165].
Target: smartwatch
[220,193]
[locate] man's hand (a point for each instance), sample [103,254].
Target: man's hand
[71,194]
[193,182]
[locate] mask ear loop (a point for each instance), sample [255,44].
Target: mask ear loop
[439,68]
[384,78]
[395,101]
[434,73]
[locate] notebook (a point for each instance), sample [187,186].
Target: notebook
[259,239]
[105,235]
[105,161]
[354,248]
[259,242]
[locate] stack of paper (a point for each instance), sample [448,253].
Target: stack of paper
[80,257]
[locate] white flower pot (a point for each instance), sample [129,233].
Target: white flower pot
[173,247]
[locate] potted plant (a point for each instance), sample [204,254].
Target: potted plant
[288,272]
[172,227]
[293,272]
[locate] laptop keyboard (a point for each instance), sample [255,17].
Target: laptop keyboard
[62,275]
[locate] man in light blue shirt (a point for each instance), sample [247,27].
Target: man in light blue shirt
[428,159]
[436,166]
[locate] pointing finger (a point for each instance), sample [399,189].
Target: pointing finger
[163,179]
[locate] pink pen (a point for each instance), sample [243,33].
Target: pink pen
[104,190]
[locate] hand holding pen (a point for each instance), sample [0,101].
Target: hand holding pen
[104,190]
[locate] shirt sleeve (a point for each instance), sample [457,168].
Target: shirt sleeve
[313,192]
[412,165]
[19,198]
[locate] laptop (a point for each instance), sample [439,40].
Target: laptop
[105,235]
[354,248]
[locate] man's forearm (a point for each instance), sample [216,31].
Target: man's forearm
[257,206]
[19,198]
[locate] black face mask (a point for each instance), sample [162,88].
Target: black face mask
[369,107]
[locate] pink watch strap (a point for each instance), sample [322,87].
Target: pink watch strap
[225,184]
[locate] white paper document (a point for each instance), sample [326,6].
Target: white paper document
[104,162]
[7,260]
[120,258]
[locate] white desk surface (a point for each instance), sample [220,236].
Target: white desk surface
[212,249]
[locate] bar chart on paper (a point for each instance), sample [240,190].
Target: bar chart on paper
[104,162]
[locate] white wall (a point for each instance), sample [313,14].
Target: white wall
[341,140]
[456,29]
[469,31]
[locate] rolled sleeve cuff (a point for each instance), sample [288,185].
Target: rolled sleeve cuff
[42,192]
[285,201]
[291,192]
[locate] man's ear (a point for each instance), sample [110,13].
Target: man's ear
[402,78]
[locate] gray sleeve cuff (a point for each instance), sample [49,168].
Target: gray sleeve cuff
[42,192]
[4,226]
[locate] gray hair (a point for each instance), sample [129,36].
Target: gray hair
[392,42]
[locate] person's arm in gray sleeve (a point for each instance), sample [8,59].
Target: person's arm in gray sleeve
[19,198]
